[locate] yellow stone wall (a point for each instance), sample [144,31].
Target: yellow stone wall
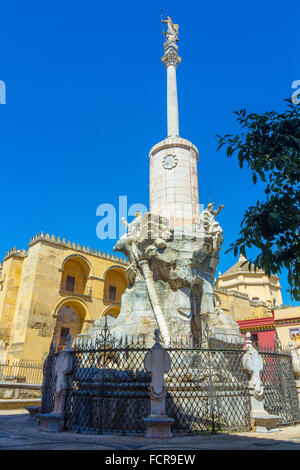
[33,290]
[253,285]
[11,278]
[239,307]
[236,289]
[256,285]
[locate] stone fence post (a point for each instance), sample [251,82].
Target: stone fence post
[261,420]
[53,422]
[296,366]
[158,362]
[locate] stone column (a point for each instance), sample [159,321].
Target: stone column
[172,101]
[158,362]
[171,60]
[261,420]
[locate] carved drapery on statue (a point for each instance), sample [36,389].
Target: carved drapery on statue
[172,31]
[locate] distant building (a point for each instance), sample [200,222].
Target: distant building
[254,301]
[52,289]
[256,285]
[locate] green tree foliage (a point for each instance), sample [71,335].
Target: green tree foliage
[269,144]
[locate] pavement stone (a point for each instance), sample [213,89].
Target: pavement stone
[20,432]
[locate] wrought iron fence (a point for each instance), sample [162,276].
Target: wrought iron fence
[108,391]
[208,389]
[21,372]
[281,396]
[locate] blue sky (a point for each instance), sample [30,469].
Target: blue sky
[86,100]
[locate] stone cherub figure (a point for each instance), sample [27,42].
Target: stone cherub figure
[134,243]
[208,218]
[129,241]
[172,31]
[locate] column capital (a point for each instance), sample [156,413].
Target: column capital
[171,56]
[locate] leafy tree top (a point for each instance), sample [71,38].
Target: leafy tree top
[269,144]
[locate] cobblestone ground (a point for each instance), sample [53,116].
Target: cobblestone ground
[19,431]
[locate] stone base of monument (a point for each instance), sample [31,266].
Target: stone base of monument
[226,335]
[158,427]
[51,422]
[264,422]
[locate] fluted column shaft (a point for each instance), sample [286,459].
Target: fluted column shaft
[171,60]
[172,101]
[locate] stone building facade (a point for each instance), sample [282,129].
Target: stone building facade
[52,289]
[257,286]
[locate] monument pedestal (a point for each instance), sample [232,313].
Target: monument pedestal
[158,427]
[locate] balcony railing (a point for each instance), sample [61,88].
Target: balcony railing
[116,301]
[79,289]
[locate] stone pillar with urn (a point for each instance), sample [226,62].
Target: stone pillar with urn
[157,362]
[261,420]
[54,421]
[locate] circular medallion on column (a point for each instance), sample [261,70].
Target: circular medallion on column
[169,161]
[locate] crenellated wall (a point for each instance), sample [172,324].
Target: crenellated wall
[34,290]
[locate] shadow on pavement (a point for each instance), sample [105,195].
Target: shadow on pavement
[19,431]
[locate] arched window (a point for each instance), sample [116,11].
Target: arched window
[74,276]
[70,318]
[115,283]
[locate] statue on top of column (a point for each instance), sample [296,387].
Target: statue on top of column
[172,31]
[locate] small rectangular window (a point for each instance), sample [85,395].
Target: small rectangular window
[254,339]
[70,283]
[112,293]
[63,336]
